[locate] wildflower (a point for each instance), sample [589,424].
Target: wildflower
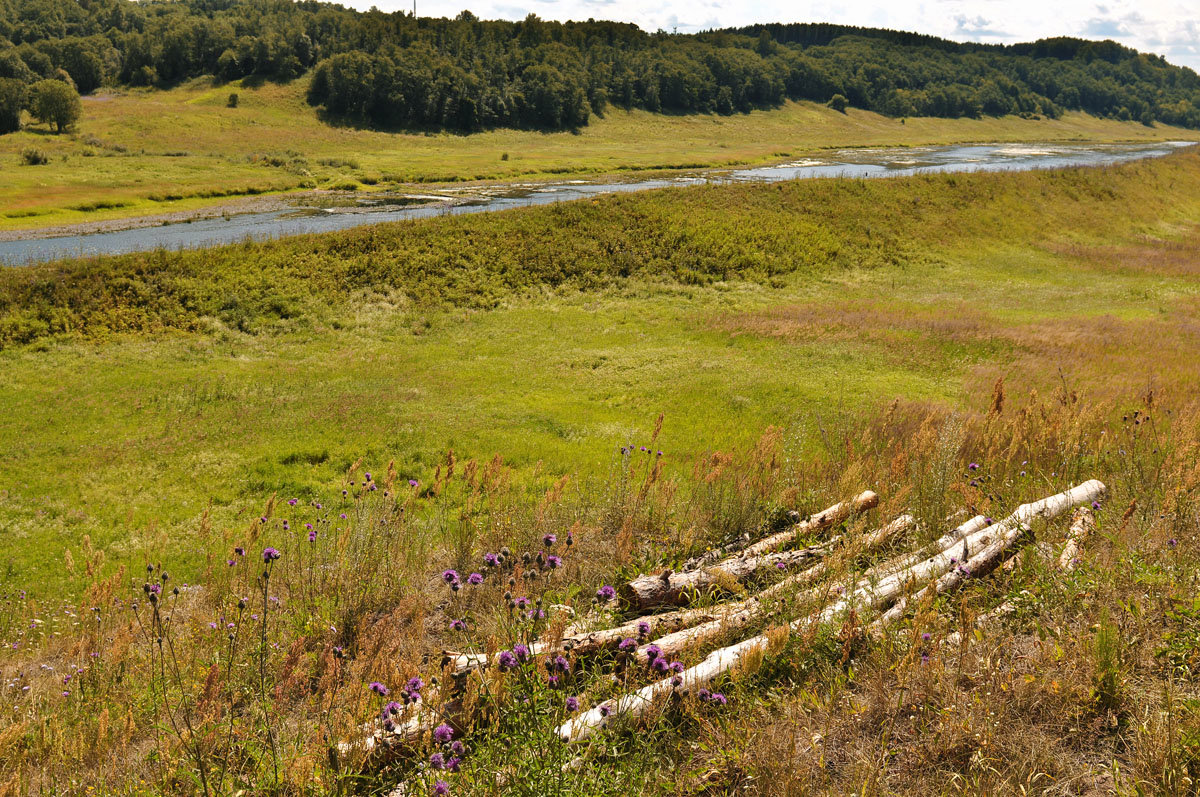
[230,562]
[718,698]
[415,684]
[443,733]
[521,602]
[458,625]
[925,637]
[677,681]
[521,652]
[342,516]
[781,565]
[378,688]
[572,704]
[553,681]
[457,748]
[491,560]
[660,664]
[987,521]
[270,554]
[450,576]
[312,536]
[1096,505]
[606,593]
[643,629]
[453,763]
[413,482]
[974,466]
[391,709]
[653,652]
[475,578]
[704,694]
[560,663]
[506,660]
[1171,543]
[240,551]
[604,711]
[627,644]
[441,788]
[437,761]
[367,476]
[292,502]
[553,561]
[677,666]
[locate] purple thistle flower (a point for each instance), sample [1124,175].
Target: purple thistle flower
[604,710]
[292,502]
[415,684]
[677,666]
[718,698]
[441,788]
[572,704]
[643,629]
[443,733]
[549,540]
[491,560]
[627,644]
[453,763]
[521,602]
[240,551]
[230,562]
[974,466]
[378,688]
[413,482]
[926,636]
[458,625]
[270,554]
[437,761]
[660,664]
[1171,543]
[391,709]
[653,652]
[457,748]
[561,663]
[312,536]
[506,660]
[704,694]
[521,652]
[606,593]
[475,578]
[1096,505]
[367,476]
[450,576]
[677,681]
[553,561]
[553,681]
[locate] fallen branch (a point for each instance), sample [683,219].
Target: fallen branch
[721,661]
[647,591]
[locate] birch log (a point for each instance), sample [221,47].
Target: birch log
[1082,524]
[871,596]
[736,615]
[647,591]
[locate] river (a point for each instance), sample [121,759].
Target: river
[376,208]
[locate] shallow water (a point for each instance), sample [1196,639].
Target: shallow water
[878,162]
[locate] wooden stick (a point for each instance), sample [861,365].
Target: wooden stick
[870,596]
[647,591]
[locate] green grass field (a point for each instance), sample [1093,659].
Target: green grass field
[540,351]
[956,342]
[140,152]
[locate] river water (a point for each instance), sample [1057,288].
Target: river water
[376,208]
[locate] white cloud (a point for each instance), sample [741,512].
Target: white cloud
[1167,27]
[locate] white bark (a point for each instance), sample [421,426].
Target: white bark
[865,597]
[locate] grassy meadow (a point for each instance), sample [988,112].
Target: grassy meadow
[125,157]
[783,346]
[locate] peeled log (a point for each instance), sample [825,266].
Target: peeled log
[723,660]
[648,591]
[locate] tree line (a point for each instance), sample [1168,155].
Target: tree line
[465,74]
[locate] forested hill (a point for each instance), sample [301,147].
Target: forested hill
[392,70]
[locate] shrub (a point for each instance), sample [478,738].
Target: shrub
[838,103]
[12,100]
[232,102]
[32,156]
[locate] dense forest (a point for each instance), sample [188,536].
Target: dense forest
[397,71]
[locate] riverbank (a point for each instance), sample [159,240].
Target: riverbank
[125,160]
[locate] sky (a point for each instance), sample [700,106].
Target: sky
[1170,28]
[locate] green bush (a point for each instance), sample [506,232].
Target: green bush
[32,156]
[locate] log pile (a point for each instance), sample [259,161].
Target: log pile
[827,588]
